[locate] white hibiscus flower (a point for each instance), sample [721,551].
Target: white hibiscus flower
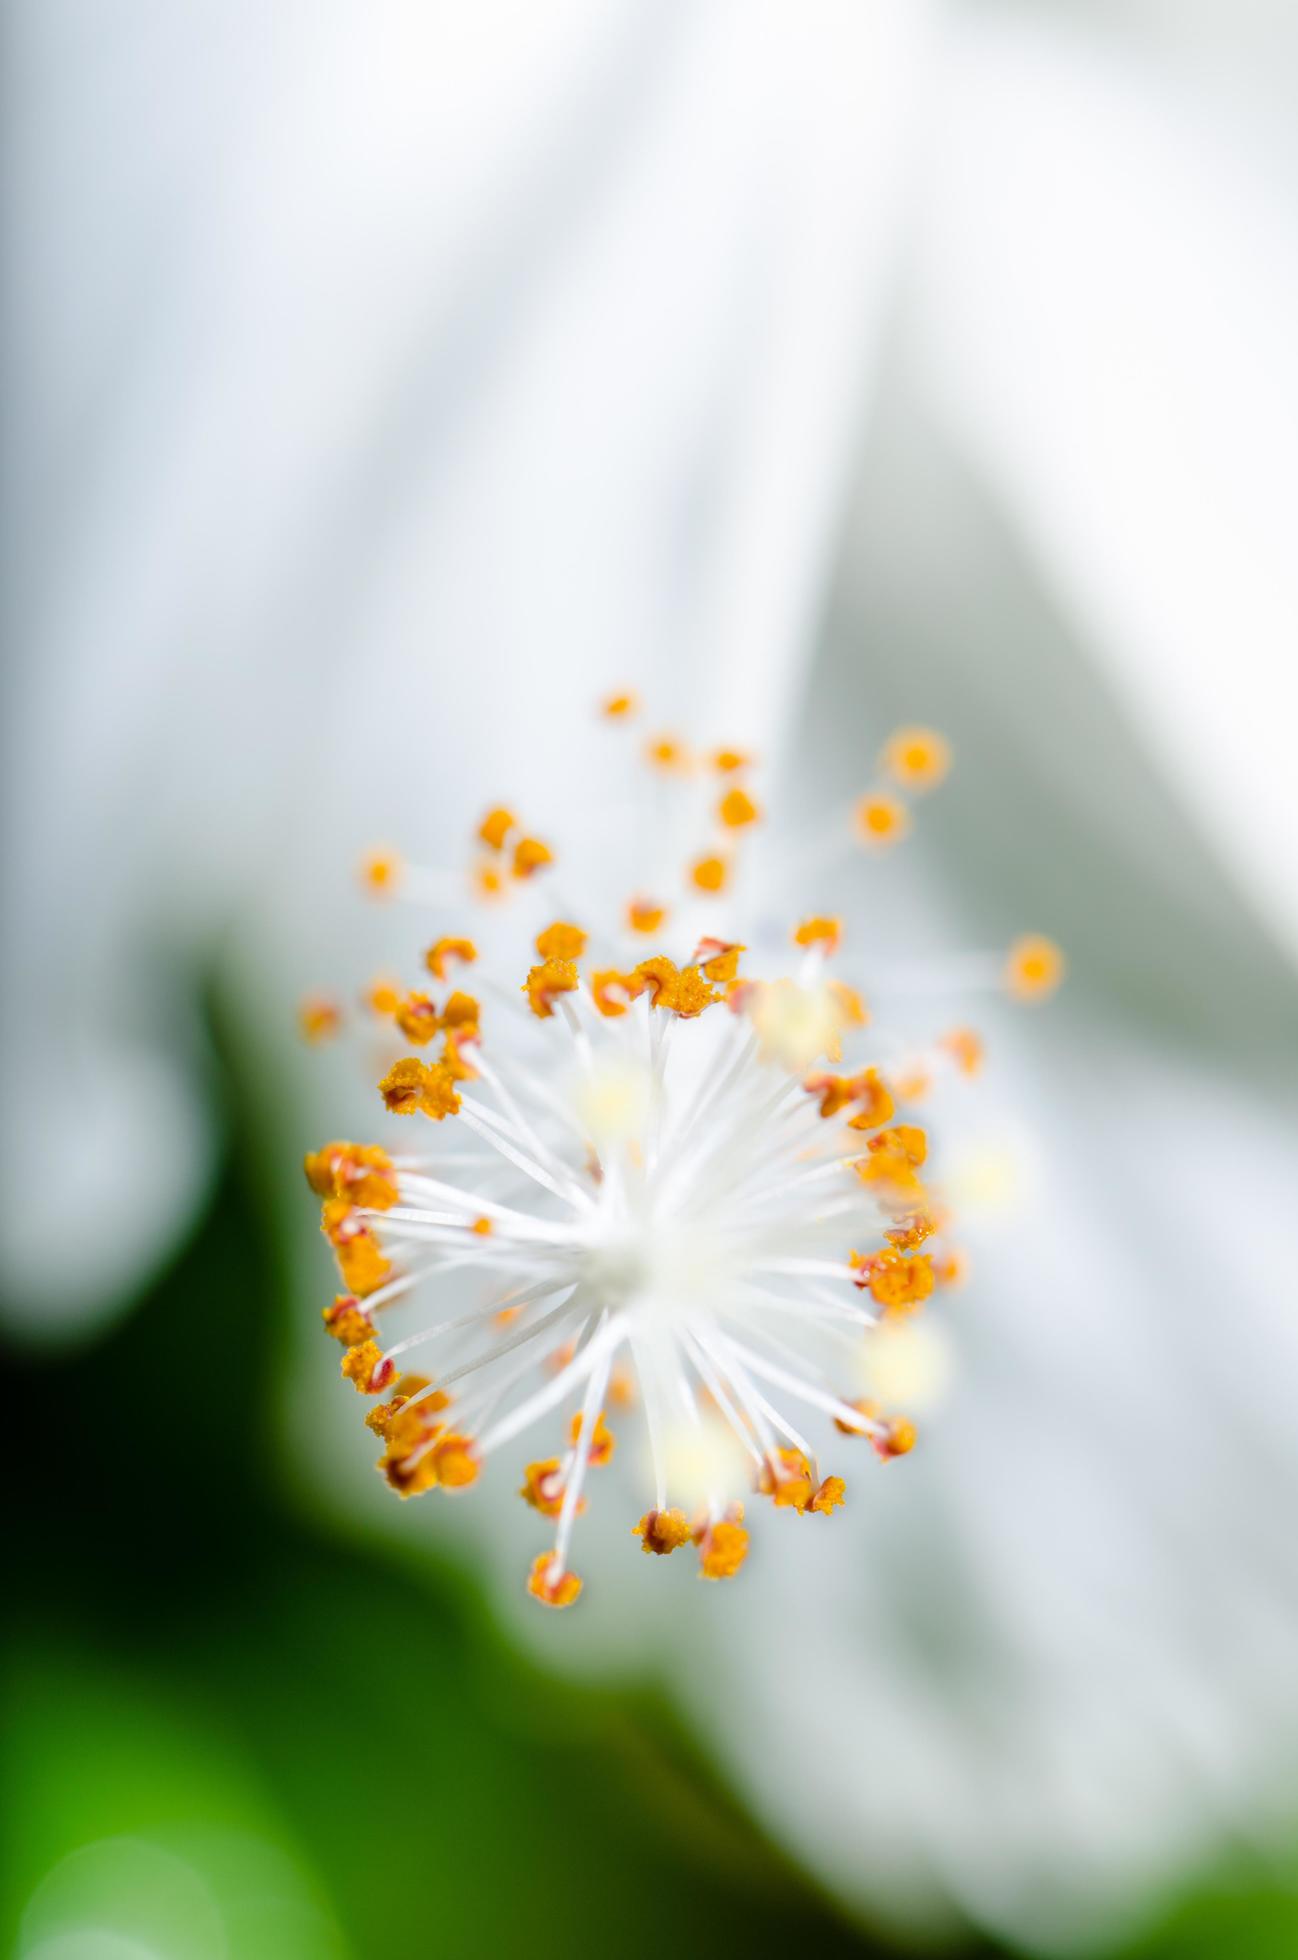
[385,384]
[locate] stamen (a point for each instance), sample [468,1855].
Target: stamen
[654,1205]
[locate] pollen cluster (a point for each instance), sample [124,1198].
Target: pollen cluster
[658,1173]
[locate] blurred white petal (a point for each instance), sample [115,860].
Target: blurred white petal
[443,367]
[1110,330]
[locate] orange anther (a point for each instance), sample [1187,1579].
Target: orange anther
[723,1547]
[833,1091]
[411,1085]
[444,950]
[917,758]
[1034,967]
[828,1495]
[682,991]
[663,1532]
[495,827]
[542,1487]
[897,1282]
[666,753]
[821,932]
[618,707]
[382,997]
[913,1231]
[613,992]
[380,872]
[417,1018]
[709,873]
[461,1011]
[891,1178]
[368,1369]
[897,1438]
[602,1440]
[881,819]
[561,941]
[659,977]
[361,1173]
[546,982]
[906,1139]
[869,1416]
[644,915]
[454,1461]
[718,959]
[872,1102]
[360,1260]
[417,1418]
[531,856]
[785,1476]
[454,1059]
[737,809]
[319,1018]
[550,1583]
[348,1321]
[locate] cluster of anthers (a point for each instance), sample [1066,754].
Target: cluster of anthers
[661,1167]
